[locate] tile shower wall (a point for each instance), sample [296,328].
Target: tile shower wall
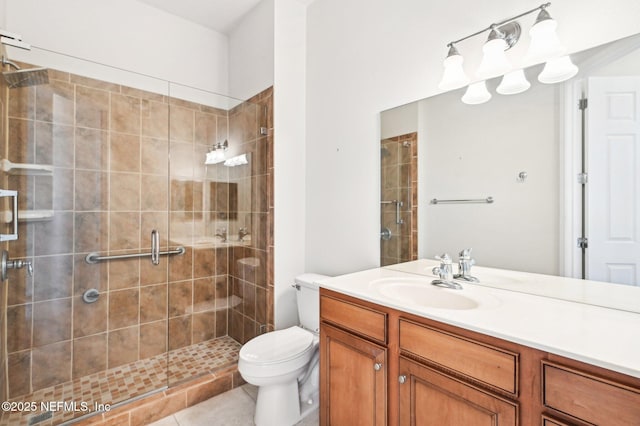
[399,181]
[251,267]
[110,187]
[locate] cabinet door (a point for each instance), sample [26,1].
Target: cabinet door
[353,380]
[431,398]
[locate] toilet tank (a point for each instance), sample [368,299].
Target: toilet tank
[308,299]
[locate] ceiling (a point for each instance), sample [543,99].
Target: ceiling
[218,15]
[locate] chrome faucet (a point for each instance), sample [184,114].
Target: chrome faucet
[243,232]
[222,233]
[465,262]
[445,272]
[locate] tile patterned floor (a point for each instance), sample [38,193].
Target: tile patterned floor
[233,408]
[127,381]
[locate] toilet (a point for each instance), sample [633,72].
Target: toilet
[284,363]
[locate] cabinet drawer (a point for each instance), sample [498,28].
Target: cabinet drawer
[548,421]
[487,364]
[589,398]
[364,321]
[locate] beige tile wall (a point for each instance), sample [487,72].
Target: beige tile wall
[399,181]
[110,187]
[251,268]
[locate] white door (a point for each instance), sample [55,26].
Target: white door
[613,189]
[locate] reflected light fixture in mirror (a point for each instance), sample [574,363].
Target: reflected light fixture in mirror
[216,153]
[476,93]
[557,69]
[238,160]
[513,82]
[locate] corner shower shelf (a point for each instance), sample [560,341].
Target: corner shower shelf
[25,168]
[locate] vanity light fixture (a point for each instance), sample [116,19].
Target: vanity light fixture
[476,93]
[454,76]
[494,61]
[216,153]
[544,47]
[513,82]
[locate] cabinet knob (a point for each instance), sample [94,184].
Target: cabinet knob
[377,366]
[402,379]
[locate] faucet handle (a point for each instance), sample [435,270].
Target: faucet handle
[465,254]
[444,259]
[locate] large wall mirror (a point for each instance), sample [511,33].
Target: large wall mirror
[526,152]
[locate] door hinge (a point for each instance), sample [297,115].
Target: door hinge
[583,103]
[583,242]
[583,178]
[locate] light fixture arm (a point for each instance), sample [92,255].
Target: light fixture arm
[499,24]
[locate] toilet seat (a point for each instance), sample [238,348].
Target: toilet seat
[278,346]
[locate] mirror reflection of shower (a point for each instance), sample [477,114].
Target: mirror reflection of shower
[216,153]
[398,203]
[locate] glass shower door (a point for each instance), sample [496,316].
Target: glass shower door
[87,153]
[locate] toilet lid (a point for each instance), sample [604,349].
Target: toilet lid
[277,346]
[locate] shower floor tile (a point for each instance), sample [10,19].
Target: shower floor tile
[124,382]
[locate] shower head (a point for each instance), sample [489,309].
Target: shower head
[24,78]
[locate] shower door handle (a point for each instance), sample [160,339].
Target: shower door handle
[155,247]
[399,219]
[14,235]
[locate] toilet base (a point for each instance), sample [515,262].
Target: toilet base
[278,405]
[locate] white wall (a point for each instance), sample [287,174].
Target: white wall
[399,121]
[3,13]
[365,56]
[126,34]
[251,56]
[268,48]
[289,156]
[475,151]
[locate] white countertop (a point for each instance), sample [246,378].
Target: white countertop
[605,337]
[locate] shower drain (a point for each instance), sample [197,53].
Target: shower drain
[40,417]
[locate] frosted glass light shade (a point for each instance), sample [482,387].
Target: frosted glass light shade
[557,70]
[476,93]
[513,82]
[544,42]
[214,157]
[494,61]
[454,76]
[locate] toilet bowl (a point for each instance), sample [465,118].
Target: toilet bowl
[284,363]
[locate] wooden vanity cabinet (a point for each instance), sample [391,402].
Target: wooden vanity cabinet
[381,366]
[353,371]
[429,397]
[584,394]
[353,364]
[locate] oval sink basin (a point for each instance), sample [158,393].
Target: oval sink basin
[420,292]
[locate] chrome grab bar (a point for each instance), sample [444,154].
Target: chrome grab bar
[487,200]
[95,257]
[399,220]
[155,247]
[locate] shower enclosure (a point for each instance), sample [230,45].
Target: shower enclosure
[137,267]
[399,199]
